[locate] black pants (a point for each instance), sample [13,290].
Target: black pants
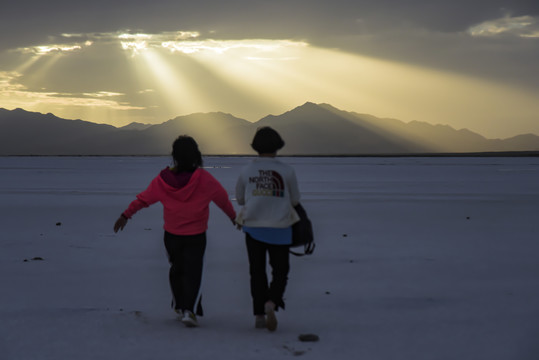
[186,257]
[261,291]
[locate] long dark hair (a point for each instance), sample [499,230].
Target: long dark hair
[185,153]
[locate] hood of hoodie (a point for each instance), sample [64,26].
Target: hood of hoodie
[181,184]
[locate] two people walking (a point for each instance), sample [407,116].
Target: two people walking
[266,189]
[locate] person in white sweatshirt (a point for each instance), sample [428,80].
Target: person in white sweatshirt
[268,190]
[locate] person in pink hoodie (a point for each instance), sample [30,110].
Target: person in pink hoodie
[185,191]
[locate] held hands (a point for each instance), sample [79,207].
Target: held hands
[238,226]
[120,223]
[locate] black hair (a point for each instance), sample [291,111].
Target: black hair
[185,153]
[267,141]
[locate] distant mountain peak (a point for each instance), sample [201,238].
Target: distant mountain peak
[135,126]
[308,106]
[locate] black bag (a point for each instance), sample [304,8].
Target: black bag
[302,233]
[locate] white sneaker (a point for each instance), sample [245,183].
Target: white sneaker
[271,319]
[189,319]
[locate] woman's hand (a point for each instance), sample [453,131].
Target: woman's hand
[238,226]
[120,223]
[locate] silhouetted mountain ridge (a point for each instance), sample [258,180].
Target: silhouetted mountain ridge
[135,126]
[309,129]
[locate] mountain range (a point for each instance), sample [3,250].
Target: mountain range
[310,129]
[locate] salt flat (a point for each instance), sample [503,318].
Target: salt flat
[416,258]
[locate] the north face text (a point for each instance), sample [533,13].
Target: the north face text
[268,183]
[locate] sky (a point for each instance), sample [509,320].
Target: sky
[468,64]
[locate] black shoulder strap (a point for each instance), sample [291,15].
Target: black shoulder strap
[307,250]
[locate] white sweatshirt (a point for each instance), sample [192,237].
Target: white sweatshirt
[268,190]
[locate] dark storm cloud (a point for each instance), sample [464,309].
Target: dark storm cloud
[417,31]
[26,22]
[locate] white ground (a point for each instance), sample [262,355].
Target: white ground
[417,258]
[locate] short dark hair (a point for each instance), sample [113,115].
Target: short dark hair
[267,141]
[185,153]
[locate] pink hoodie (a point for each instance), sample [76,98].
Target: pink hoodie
[185,200]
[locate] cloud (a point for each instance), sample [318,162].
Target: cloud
[186,42]
[13,94]
[8,82]
[102,94]
[190,42]
[520,26]
[46,49]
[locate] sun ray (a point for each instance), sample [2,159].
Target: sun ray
[237,67]
[37,71]
[22,68]
[180,93]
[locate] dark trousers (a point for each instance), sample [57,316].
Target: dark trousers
[261,291]
[186,257]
